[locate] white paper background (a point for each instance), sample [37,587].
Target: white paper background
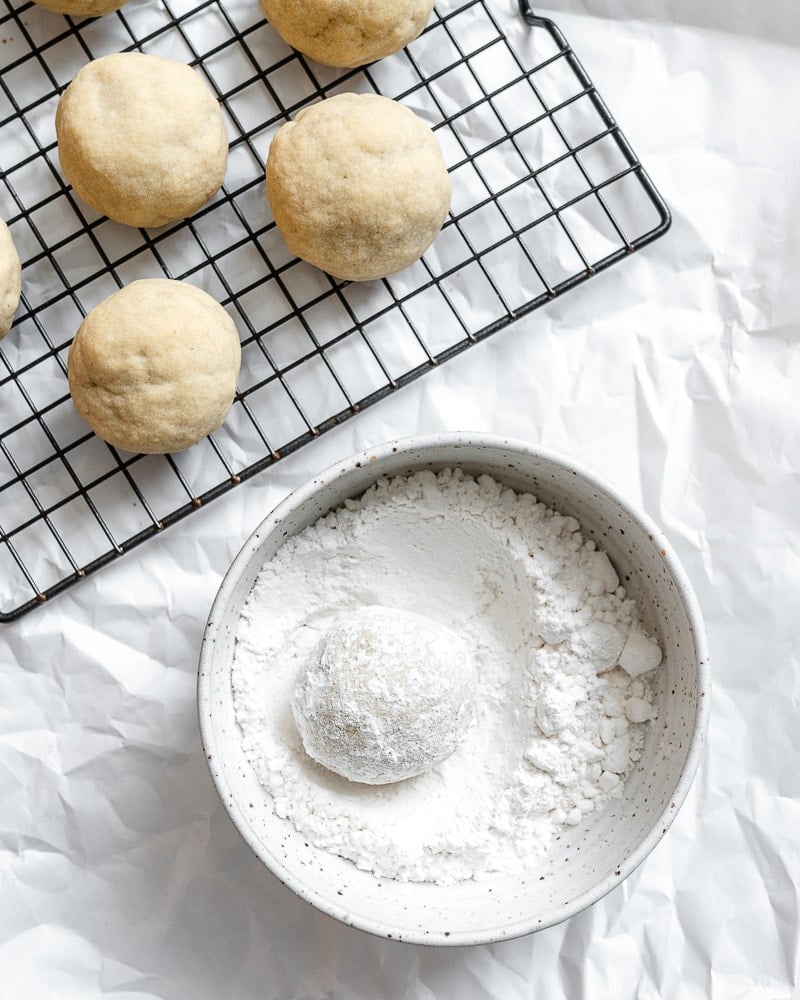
[675,375]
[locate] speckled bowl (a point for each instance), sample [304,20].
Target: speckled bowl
[592,858]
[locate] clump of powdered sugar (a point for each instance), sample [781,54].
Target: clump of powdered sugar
[558,721]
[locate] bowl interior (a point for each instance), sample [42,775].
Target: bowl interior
[590,858]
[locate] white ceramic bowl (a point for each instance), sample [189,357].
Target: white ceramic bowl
[592,858]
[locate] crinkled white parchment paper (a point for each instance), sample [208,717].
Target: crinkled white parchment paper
[676,375]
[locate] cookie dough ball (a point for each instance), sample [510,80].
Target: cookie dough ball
[347,32]
[141,139]
[153,368]
[81,8]
[358,186]
[10,280]
[384,696]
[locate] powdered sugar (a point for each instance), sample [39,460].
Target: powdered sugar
[557,722]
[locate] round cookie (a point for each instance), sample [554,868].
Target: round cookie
[347,32]
[358,186]
[153,367]
[10,280]
[384,696]
[81,8]
[141,139]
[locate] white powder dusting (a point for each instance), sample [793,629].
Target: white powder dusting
[385,695]
[558,723]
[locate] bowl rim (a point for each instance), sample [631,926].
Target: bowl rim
[539,921]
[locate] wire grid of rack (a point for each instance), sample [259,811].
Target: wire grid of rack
[547,192]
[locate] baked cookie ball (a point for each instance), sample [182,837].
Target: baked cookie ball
[347,32]
[10,280]
[386,695]
[153,368]
[141,139]
[81,8]
[358,186]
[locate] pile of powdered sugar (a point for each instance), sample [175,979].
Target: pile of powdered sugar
[558,721]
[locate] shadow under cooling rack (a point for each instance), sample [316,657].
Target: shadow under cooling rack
[546,193]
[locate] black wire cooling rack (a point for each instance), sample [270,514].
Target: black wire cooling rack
[547,192]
